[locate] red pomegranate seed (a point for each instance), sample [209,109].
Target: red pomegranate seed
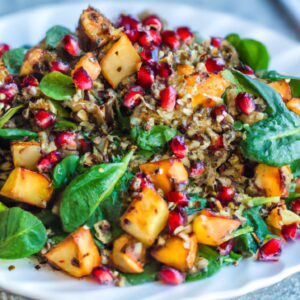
[82,79]
[47,163]
[289,231]
[139,182]
[84,145]
[133,96]
[66,140]
[295,206]
[197,169]
[225,248]
[145,77]
[71,45]
[54,157]
[3,48]
[179,198]
[216,42]
[217,144]
[219,113]
[170,39]
[103,275]
[226,194]
[145,39]
[179,147]
[177,217]
[150,56]
[214,65]
[168,97]
[270,250]
[155,37]
[170,276]
[30,81]
[131,27]
[246,70]
[8,92]
[164,70]
[44,119]
[185,34]
[59,66]
[245,103]
[153,21]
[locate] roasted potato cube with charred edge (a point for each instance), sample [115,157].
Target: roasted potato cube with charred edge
[294,105]
[146,216]
[27,186]
[283,88]
[32,58]
[128,254]
[90,64]
[77,255]
[280,216]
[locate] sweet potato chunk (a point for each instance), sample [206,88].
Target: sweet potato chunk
[128,254]
[213,230]
[165,173]
[177,253]
[146,216]
[294,105]
[27,186]
[90,64]
[121,61]
[280,216]
[272,180]
[77,255]
[26,154]
[31,60]
[283,88]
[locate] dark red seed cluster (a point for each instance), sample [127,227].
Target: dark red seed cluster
[139,182]
[154,22]
[71,45]
[219,113]
[103,275]
[185,34]
[245,103]
[177,217]
[66,140]
[82,79]
[225,248]
[178,198]
[48,162]
[168,97]
[295,206]
[197,169]
[226,194]
[131,27]
[145,77]
[270,250]
[289,232]
[133,97]
[59,66]
[179,147]
[8,92]
[3,48]
[44,119]
[215,65]
[170,276]
[216,42]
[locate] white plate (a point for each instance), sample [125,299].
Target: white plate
[28,28]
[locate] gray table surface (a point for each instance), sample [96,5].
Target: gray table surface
[265,12]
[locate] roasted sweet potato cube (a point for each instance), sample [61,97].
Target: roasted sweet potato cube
[77,255]
[283,88]
[166,173]
[90,64]
[32,58]
[128,254]
[212,229]
[27,186]
[177,253]
[146,216]
[184,69]
[121,61]
[294,105]
[26,154]
[280,216]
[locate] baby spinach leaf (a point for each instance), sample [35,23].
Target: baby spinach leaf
[295,166]
[65,170]
[245,244]
[9,114]
[251,52]
[2,207]
[57,86]
[196,203]
[258,201]
[21,234]
[16,134]
[55,34]
[64,124]
[84,194]
[13,60]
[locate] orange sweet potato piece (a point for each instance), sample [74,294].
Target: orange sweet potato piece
[90,64]
[283,88]
[294,105]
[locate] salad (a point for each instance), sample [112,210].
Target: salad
[131,152]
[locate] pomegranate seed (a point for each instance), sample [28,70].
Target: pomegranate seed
[145,39]
[216,42]
[179,147]
[155,37]
[185,34]
[84,145]
[164,70]
[8,92]
[47,163]
[103,275]
[289,231]
[168,98]
[214,65]
[295,206]
[59,66]
[3,48]
[71,45]
[150,56]
[54,157]
[269,250]
[145,77]
[170,276]
[82,79]
[246,70]
[225,248]
[245,103]
[153,21]
[131,27]
[177,217]
[44,119]
[30,81]
[219,113]
[170,39]
[66,140]
[197,169]
[226,194]
[139,182]
[133,96]
[217,144]
[179,198]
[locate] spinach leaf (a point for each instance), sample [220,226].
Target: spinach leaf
[258,201]
[21,234]
[2,207]
[84,194]
[295,166]
[55,34]
[149,274]
[153,139]
[251,52]
[196,203]
[9,114]
[64,124]
[57,86]
[65,170]
[13,60]
[245,244]
[12,134]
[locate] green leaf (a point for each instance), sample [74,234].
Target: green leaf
[13,60]
[55,34]
[295,166]
[65,170]
[61,112]
[84,194]
[63,124]
[251,52]
[9,114]
[12,134]
[245,244]
[3,207]
[258,201]
[57,86]
[21,234]
[196,203]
